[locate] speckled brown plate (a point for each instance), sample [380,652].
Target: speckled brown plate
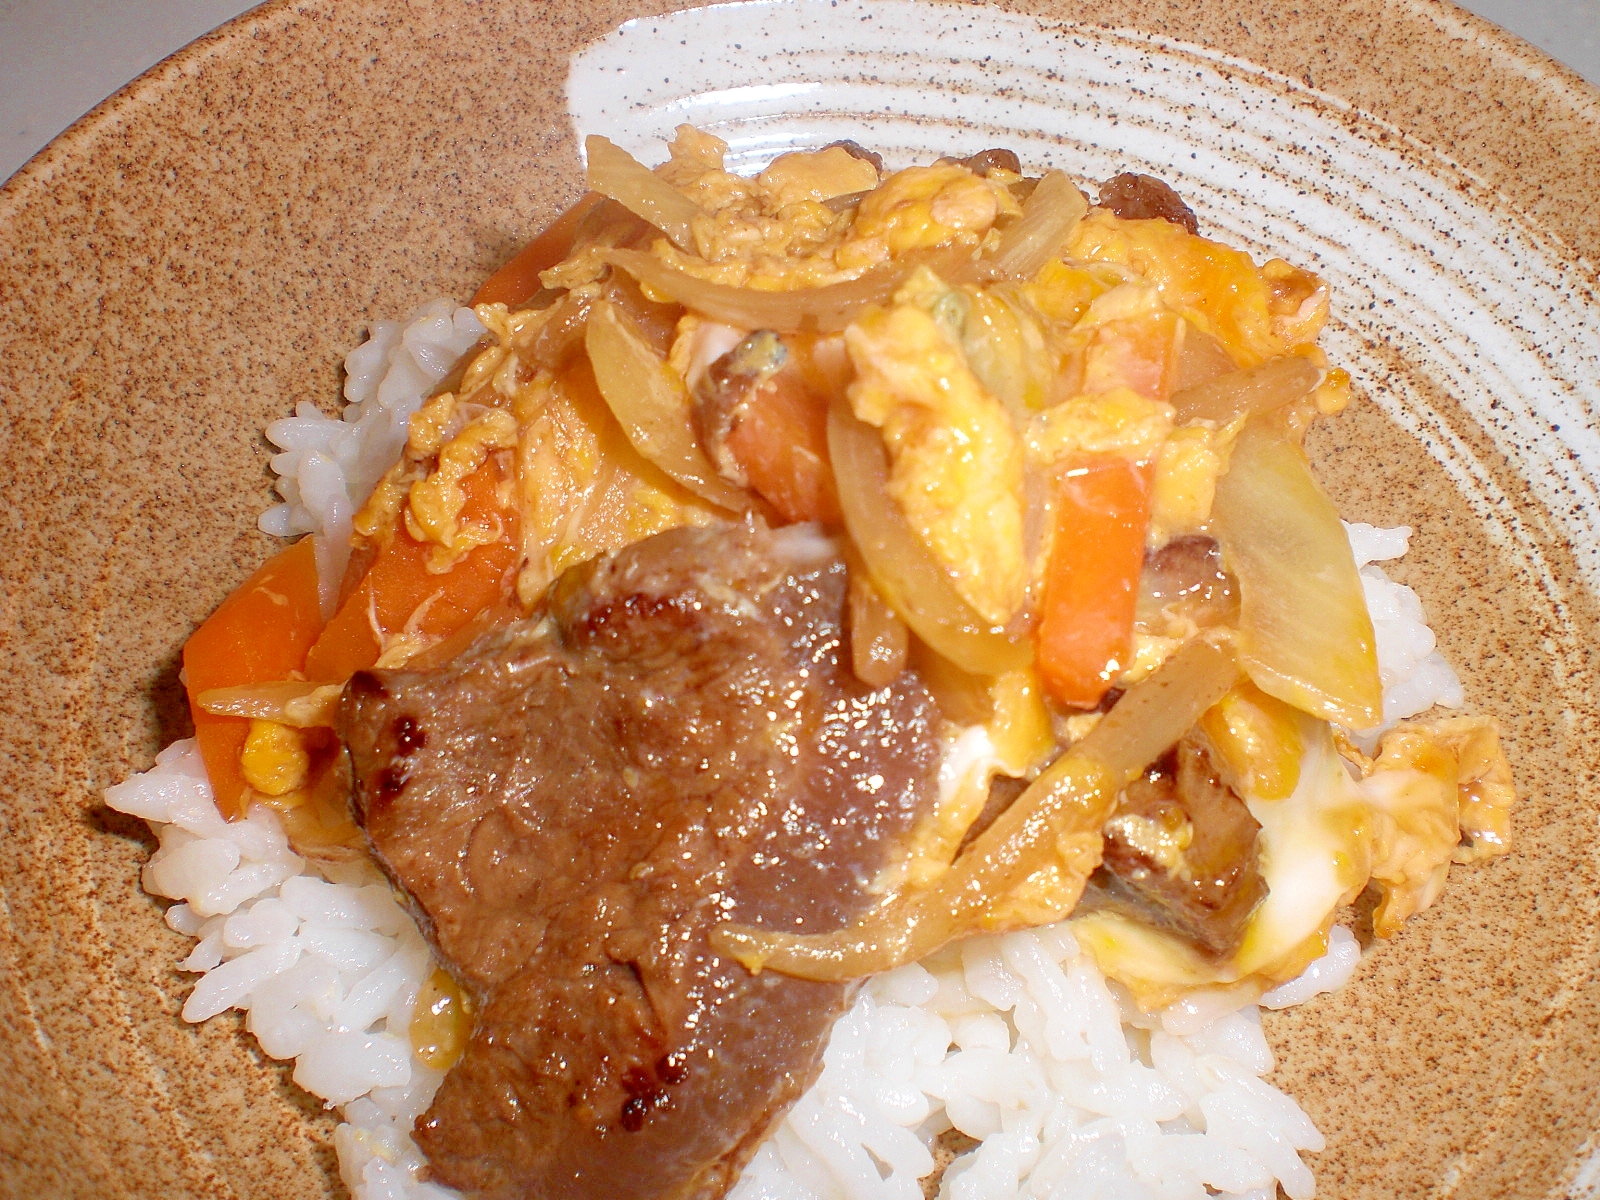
[194,256]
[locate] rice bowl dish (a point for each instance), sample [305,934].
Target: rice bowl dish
[263,861]
[1014,1041]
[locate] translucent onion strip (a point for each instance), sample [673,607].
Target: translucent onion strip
[825,309]
[1271,385]
[902,569]
[1161,708]
[651,404]
[1029,867]
[1048,218]
[302,705]
[1304,632]
[616,173]
[879,639]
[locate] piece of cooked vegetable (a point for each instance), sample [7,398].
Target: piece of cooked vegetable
[518,279]
[1162,707]
[826,309]
[613,172]
[258,634]
[1271,385]
[765,427]
[902,569]
[1048,219]
[296,703]
[1201,358]
[957,465]
[652,405]
[1304,632]
[1029,867]
[400,595]
[1102,506]
[1004,343]
[879,639]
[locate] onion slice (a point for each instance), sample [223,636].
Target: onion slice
[1271,385]
[1029,867]
[826,309]
[650,402]
[1048,218]
[1158,710]
[902,569]
[302,705]
[615,173]
[1304,632]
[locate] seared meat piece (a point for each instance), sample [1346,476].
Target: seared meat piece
[985,161]
[857,150]
[576,801]
[1142,197]
[1184,585]
[1180,853]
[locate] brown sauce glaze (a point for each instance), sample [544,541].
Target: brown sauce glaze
[575,802]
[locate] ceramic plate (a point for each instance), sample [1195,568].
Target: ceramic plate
[193,257]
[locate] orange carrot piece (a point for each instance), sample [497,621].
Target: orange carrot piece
[781,441]
[259,634]
[1092,585]
[519,278]
[398,584]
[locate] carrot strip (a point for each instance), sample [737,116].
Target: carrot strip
[259,634]
[519,278]
[1092,584]
[398,585]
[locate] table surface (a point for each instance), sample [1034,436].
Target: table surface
[59,58]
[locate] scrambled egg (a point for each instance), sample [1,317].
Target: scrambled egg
[274,761]
[1332,821]
[956,460]
[980,390]
[1119,421]
[1257,313]
[777,231]
[433,509]
[922,207]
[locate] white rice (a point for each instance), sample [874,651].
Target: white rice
[1415,675]
[327,973]
[1017,1041]
[328,466]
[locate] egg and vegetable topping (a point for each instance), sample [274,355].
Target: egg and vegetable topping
[1060,446]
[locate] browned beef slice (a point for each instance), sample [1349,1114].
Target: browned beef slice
[1208,894]
[1185,581]
[1143,197]
[575,802]
[985,161]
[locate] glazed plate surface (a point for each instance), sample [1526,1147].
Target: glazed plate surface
[195,256]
